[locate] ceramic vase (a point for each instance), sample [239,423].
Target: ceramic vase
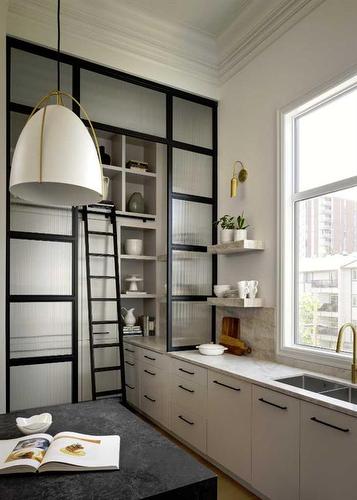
[136,203]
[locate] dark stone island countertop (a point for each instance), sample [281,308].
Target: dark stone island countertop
[151,466]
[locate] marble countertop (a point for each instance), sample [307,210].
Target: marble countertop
[156,344]
[264,373]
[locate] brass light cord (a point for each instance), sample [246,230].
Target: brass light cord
[41,141]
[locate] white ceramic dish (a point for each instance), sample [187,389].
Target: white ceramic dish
[34,424]
[211,349]
[220,290]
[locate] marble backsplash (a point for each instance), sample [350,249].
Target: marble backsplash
[258,328]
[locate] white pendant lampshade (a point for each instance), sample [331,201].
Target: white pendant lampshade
[55,161]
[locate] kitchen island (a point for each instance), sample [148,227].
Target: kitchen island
[151,466]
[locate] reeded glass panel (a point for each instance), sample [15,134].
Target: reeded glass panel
[192,123]
[33,76]
[192,173]
[40,329]
[326,142]
[32,386]
[191,323]
[122,104]
[191,273]
[192,223]
[40,267]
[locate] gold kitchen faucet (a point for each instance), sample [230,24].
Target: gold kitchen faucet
[338,348]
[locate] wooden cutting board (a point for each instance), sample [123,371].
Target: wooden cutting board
[231,327]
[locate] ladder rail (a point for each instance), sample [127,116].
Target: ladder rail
[118,302]
[89,300]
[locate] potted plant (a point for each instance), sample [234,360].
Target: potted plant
[227,228]
[240,233]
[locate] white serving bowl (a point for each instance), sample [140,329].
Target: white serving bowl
[133,246]
[34,424]
[220,290]
[211,349]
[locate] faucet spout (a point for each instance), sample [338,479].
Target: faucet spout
[339,346]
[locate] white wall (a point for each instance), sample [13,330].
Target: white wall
[3,15]
[317,49]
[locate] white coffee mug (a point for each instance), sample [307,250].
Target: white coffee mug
[252,288]
[133,246]
[242,289]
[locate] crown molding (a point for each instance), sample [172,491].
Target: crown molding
[258,28]
[110,25]
[127,38]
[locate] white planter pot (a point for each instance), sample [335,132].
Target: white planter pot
[226,235]
[240,234]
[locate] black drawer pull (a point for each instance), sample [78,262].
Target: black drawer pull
[186,371]
[185,389]
[314,419]
[185,420]
[150,399]
[150,373]
[273,404]
[129,350]
[148,357]
[225,385]
[130,364]
[130,386]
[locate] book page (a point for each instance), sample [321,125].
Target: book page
[27,451]
[83,450]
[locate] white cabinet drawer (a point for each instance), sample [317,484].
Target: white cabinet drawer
[153,358]
[189,426]
[275,444]
[189,395]
[152,399]
[189,371]
[327,455]
[132,381]
[130,350]
[154,375]
[229,423]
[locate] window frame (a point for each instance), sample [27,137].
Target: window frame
[286,219]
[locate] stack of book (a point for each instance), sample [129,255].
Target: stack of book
[132,330]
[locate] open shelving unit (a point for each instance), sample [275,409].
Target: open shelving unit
[233,247]
[235,302]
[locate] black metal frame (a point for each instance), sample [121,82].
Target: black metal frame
[78,65]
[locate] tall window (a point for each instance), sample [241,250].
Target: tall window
[319,220]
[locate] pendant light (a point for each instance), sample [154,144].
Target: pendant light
[56,161]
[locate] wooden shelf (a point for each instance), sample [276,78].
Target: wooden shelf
[139,296]
[234,302]
[133,174]
[236,247]
[138,257]
[111,170]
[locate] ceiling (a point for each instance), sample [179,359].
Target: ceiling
[209,16]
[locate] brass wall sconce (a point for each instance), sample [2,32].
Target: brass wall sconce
[237,177]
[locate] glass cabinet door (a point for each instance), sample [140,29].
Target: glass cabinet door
[193,209]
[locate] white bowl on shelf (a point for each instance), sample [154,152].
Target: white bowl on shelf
[211,349]
[220,290]
[35,424]
[133,246]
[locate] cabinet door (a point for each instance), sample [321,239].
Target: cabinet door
[328,454]
[275,444]
[229,423]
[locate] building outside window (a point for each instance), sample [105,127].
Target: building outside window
[318,238]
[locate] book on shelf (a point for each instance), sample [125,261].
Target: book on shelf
[66,451]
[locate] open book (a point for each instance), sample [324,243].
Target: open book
[66,451]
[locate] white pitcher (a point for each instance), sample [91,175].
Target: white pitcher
[129,318]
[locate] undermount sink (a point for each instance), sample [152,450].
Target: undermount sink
[322,386]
